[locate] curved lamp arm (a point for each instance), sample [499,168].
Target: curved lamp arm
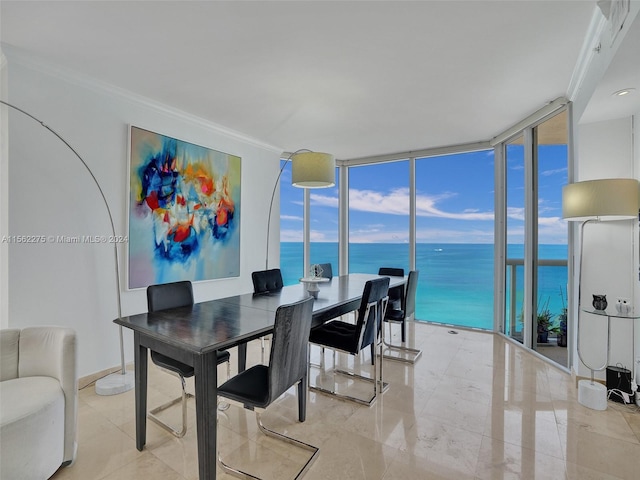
[273,194]
[106,204]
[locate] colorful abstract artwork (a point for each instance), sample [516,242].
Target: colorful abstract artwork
[184,211]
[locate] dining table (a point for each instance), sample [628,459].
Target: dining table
[194,334]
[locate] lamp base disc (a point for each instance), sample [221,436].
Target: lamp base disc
[592,395]
[115,383]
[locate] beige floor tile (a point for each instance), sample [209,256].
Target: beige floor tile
[533,430]
[473,407]
[349,455]
[146,466]
[505,461]
[601,453]
[406,466]
[443,444]
[100,456]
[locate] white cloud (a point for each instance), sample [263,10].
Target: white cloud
[547,173]
[324,200]
[291,217]
[515,213]
[291,235]
[397,203]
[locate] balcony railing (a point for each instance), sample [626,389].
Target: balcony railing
[555,285]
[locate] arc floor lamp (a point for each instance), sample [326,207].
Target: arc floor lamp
[589,202]
[121,381]
[308,170]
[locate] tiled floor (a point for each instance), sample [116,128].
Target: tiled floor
[473,407]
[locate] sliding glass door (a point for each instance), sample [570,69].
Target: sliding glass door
[515,237]
[551,160]
[536,237]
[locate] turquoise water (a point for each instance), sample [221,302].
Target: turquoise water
[456,280]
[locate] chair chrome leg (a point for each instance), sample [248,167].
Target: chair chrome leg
[377,382]
[183,398]
[271,433]
[401,348]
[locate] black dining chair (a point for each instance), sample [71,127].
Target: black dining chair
[395,293]
[162,297]
[266,281]
[400,315]
[261,385]
[353,338]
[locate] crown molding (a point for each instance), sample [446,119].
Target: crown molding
[13,55]
[590,48]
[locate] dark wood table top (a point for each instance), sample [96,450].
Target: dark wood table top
[226,322]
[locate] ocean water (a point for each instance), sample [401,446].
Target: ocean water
[456,280]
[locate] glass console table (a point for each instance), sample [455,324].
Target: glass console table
[590,393]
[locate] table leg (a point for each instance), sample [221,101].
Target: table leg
[242,357]
[206,378]
[141,366]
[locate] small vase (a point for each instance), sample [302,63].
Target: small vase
[600,302]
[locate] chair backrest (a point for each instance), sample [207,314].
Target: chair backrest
[327,271]
[394,272]
[288,358]
[169,295]
[409,306]
[396,294]
[371,311]
[265,281]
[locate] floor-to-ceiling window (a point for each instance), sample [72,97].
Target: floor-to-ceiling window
[536,236]
[551,157]
[291,228]
[514,311]
[453,195]
[323,214]
[454,238]
[323,225]
[379,217]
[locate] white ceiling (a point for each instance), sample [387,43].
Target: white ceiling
[352,78]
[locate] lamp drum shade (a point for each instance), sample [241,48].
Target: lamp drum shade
[313,170]
[605,199]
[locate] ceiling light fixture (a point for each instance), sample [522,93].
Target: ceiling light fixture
[623,92]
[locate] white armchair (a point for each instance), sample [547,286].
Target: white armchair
[38,401]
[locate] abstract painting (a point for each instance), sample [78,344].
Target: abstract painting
[184,211]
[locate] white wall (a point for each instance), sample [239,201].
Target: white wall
[4,199]
[605,150]
[636,250]
[52,194]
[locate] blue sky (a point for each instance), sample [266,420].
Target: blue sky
[455,201]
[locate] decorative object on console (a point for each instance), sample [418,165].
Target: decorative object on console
[600,302]
[315,277]
[122,381]
[316,270]
[623,306]
[595,201]
[309,170]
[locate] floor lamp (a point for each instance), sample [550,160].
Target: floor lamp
[308,170]
[589,202]
[121,381]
